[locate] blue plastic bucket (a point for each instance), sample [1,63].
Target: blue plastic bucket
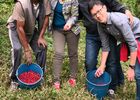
[98,86]
[25,68]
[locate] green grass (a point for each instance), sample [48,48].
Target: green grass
[47,92]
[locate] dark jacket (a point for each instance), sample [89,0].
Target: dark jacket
[89,22]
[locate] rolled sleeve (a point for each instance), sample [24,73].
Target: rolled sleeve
[47,7]
[18,13]
[133,47]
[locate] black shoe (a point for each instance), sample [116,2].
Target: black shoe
[121,83]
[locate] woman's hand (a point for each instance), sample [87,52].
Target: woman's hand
[67,27]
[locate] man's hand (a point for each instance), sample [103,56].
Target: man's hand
[67,27]
[130,74]
[42,41]
[99,71]
[102,67]
[28,56]
[130,16]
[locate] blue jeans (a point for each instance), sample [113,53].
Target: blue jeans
[137,76]
[93,45]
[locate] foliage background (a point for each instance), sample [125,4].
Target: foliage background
[126,92]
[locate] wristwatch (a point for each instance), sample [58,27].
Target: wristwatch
[132,66]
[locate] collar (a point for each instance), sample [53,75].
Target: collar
[36,6]
[109,18]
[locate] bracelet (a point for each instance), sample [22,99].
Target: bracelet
[132,66]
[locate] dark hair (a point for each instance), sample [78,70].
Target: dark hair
[15,1]
[92,3]
[41,1]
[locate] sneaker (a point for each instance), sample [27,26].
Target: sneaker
[56,85]
[72,82]
[13,86]
[111,94]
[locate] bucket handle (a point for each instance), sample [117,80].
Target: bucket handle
[95,94]
[91,92]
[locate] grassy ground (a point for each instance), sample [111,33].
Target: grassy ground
[47,92]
